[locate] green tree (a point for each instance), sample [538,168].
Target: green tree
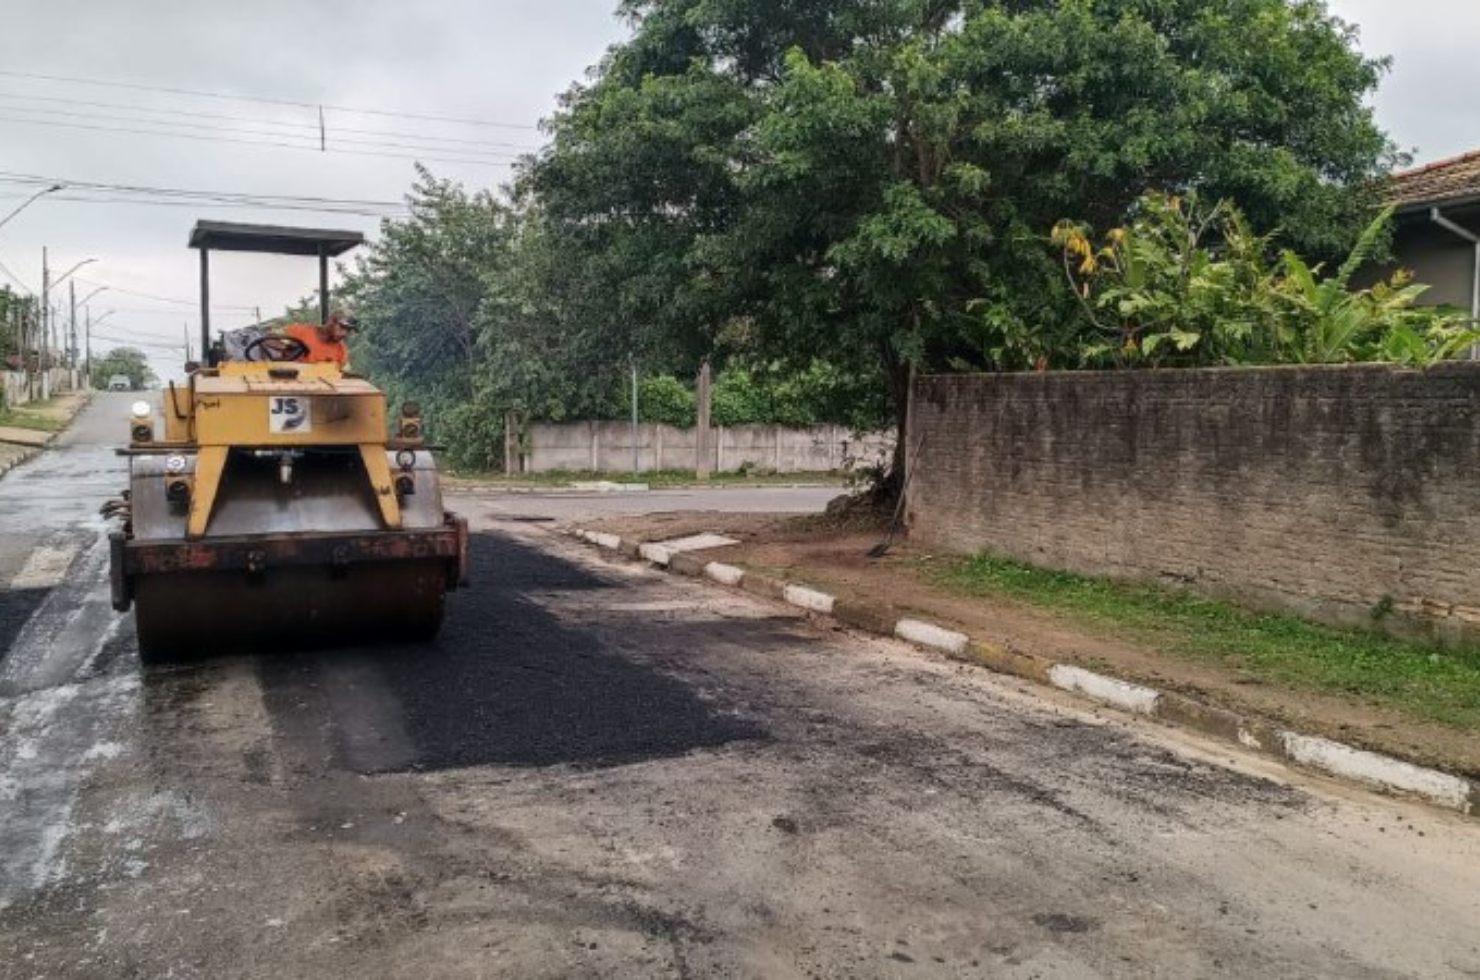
[129,361]
[418,293]
[15,310]
[869,181]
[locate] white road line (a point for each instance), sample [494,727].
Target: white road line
[45,568]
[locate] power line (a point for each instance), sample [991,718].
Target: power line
[33,179]
[16,279]
[160,299]
[129,342]
[178,314]
[196,93]
[262,143]
[309,141]
[313,128]
[140,202]
[216,204]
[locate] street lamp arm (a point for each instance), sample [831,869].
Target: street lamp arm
[59,279]
[29,201]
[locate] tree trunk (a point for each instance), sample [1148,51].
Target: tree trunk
[897,375]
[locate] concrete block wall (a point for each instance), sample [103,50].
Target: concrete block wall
[607,447]
[18,387]
[1332,492]
[13,388]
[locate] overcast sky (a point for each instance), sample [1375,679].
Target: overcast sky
[493,64]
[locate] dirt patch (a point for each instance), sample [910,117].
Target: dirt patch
[832,555]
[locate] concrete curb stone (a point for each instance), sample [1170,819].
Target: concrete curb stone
[1369,769]
[763,585]
[1008,661]
[864,616]
[687,564]
[655,553]
[723,574]
[930,636]
[9,462]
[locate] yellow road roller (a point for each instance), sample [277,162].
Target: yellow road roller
[269,503]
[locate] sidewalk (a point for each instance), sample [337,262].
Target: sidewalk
[18,445]
[826,570]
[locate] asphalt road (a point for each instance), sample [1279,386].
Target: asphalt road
[601,770]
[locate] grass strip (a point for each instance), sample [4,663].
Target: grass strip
[1419,680]
[21,419]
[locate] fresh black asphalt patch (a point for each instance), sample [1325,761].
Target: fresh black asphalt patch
[504,684]
[17,606]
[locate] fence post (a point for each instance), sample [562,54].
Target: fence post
[701,432]
[511,443]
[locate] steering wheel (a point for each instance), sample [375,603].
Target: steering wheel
[276,348]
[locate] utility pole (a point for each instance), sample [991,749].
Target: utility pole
[632,361]
[705,389]
[42,358]
[72,343]
[87,363]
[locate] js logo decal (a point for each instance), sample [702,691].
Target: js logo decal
[288,415]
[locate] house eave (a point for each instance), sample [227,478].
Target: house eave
[1421,209]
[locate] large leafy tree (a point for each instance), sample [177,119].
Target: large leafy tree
[419,293]
[874,180]
[128,361]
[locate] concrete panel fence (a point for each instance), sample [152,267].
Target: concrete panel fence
[20,388]
[608,447]
[1347,494]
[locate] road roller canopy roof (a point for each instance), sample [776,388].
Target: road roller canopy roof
[229,236]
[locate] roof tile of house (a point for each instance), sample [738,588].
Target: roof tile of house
[1445,180]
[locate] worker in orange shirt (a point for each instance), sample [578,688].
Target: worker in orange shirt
[325,342]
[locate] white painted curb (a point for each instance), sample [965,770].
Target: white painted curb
[608,541]
[1131,697]
[655,553]
[811,599]
[932,636]
[1378,770]
[723,574]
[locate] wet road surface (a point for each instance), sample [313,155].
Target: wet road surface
[600,770]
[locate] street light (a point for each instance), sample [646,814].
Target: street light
[59,279]
[72,347]
[87,368]
[28,201]
[48,322]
